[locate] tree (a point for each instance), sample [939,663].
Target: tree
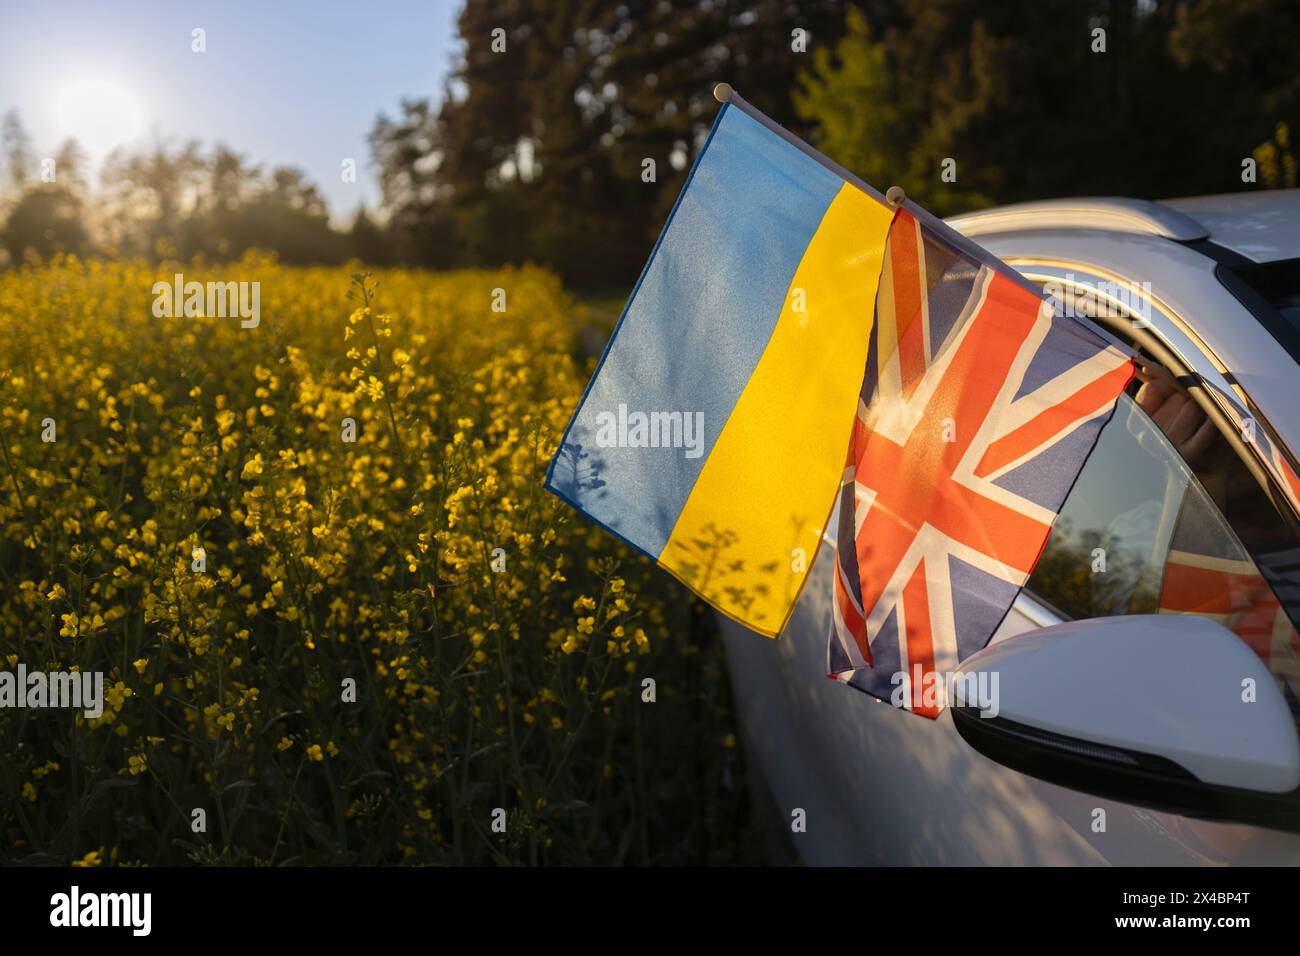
[1058,97]
[408,153]
[149,196]
[287,214]
[538,148]
[231,179]
[70,166]
[1228,39]
[1251,38]
[894,109]
[42,219]
[46,220]
[1277,164]
[368,241]
[17,148]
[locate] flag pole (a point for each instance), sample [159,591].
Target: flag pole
[726,94]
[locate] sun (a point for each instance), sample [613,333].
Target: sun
[99,114]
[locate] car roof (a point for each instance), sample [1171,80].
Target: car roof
[1262,226]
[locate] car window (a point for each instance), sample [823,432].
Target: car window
[1107,547]
[1143,533]
[1271,293]
[1166,518]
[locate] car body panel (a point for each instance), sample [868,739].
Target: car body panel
[883,786]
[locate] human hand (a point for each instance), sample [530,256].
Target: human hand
[1176,414]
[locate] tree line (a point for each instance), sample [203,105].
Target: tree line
[163,202]
[565,128]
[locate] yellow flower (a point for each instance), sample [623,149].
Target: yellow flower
[315,753]
[252,467]
[90,859]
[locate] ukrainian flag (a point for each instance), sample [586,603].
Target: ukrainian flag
[713,434]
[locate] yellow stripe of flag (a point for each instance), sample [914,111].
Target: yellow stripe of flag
[787,436]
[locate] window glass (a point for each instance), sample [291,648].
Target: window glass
[1278,285]
[1107,549]
[1175,524]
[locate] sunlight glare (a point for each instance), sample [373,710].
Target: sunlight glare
[99,114]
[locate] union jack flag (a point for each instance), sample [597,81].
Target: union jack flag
[978,408]
[1209,572]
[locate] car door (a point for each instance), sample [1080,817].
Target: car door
[878,785]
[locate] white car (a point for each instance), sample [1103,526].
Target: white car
[1127,731]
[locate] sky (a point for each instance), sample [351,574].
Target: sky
[282,82]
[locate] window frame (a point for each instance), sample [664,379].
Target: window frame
[1173,343]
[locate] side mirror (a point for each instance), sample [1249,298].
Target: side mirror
[1171,712]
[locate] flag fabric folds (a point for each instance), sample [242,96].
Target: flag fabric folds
[712,433]
[978,409]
